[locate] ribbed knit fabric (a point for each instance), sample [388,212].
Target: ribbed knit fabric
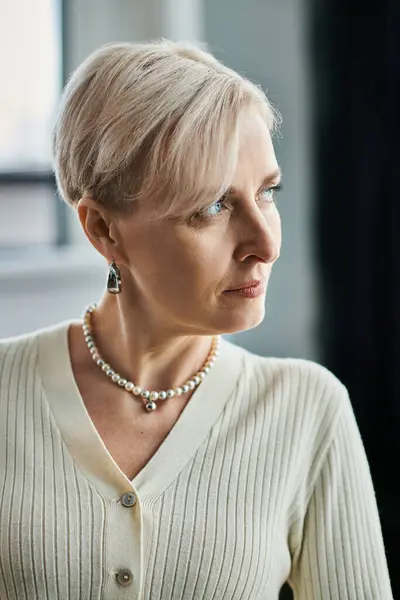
[262,480]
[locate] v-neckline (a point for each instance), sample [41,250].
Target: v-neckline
[84,442]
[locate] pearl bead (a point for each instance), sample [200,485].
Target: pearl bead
[105,367]
[137,390]
[122,382]
[115,377]
[185,388]
[93,350]
[162,395]
[110,372]
[206,370]
[196,379]
[100,362]
[178,391]
[145,394]
[191,384]
[202,375]
[170,394]
[153,395]
[129,386]
[211,363]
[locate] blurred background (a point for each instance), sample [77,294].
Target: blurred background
[335,76]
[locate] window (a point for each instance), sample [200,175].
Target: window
[31,80]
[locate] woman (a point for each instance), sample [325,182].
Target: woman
[142,455]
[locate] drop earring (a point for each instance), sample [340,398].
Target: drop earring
[114,279]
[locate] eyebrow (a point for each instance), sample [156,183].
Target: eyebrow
[271,178]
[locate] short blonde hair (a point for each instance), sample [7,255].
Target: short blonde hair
[157,120]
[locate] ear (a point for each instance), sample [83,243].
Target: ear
[97,225]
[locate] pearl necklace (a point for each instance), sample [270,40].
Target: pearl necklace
[149,396]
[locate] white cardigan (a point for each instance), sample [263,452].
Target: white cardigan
[263,479]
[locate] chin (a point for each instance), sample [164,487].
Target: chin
[243,319]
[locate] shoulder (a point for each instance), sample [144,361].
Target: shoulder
[17,361]
[299,392]
[299,380]
[19,353]
[310,412]
[12,347]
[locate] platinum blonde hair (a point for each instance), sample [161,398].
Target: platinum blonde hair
[156,121]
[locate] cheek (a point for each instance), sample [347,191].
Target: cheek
[200,258]
[191,259]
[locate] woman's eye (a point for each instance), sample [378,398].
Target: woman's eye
[215,209]
[268,194]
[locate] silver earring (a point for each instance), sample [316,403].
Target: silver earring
[114,279]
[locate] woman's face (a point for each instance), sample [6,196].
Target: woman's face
[177,273]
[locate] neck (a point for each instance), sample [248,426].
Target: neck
[152,357]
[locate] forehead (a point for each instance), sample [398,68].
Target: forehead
[256,154]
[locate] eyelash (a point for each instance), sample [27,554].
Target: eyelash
[203,213]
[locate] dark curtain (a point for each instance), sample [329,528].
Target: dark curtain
[355,59]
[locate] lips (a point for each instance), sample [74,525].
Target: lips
[250,284]
[250,289]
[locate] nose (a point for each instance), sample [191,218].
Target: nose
[260,237]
